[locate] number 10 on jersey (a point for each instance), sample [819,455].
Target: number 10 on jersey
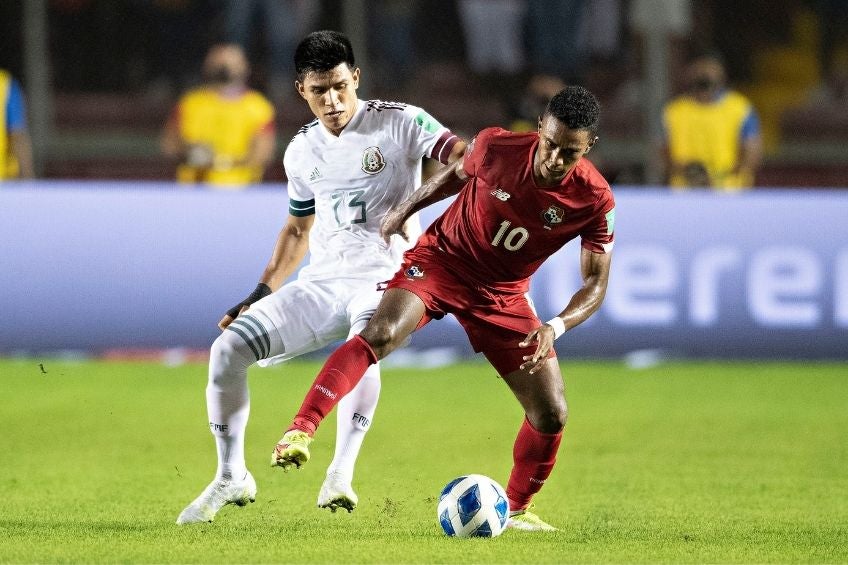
[512,239]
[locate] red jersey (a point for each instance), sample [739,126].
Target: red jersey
[502,225]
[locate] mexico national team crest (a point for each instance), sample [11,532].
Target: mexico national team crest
[372,160]
[414,272]
[553,215]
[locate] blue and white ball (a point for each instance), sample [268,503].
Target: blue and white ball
[473,506]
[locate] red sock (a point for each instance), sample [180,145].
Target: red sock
[533,455]
[342,371]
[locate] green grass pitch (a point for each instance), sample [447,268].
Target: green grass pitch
[680,463]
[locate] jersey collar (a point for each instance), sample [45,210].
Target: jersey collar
[354,120]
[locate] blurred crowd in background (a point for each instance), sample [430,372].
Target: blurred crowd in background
[116,69]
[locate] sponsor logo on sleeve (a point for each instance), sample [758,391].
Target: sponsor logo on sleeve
[428,122]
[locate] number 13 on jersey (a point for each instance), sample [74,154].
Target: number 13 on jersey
[348,207]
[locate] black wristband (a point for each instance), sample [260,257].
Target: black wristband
[261,291]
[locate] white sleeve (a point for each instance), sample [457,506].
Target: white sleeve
[301,197]
[421,135]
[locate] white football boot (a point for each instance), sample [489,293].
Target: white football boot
[218,494]
[336,493]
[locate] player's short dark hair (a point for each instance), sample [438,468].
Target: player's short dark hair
[576,107]
[322,51]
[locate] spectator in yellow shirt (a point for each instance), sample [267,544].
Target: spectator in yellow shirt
[15,144]
[711,133]
[221,133]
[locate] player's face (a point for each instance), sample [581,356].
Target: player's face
[559,150]
[331,95]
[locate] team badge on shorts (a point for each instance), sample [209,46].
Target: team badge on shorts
[372,160]
[553,215]
[414,272]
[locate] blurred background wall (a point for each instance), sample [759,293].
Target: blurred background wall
[106,266]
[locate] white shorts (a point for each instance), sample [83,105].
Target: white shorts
[308,315]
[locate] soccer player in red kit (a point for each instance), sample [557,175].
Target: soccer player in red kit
[521,197]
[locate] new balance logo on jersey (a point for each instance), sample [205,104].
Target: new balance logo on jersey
[414,272]
[315,175]
[218,427]
[500,194]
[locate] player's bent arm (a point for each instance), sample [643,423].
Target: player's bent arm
[594,268]
[444,183]
[289,250]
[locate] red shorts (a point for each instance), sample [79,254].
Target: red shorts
[496,322]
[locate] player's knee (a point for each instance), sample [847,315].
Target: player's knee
[551,418]
[382,336]
[228,351]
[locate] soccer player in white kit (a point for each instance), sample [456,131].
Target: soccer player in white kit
[345,170]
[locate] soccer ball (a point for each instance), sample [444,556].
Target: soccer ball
[473,506]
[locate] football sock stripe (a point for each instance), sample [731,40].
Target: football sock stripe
[241,333]
[263,333]
[254,337]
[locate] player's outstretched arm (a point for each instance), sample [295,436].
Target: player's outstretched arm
[289,250]
[594,268]
[445,182]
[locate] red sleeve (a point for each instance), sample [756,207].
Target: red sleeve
[599,235]
[476,152]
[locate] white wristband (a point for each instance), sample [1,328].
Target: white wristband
[558,325]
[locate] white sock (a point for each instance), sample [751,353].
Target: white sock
[354,413]
[228,402]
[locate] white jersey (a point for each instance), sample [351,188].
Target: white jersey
[352,180]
